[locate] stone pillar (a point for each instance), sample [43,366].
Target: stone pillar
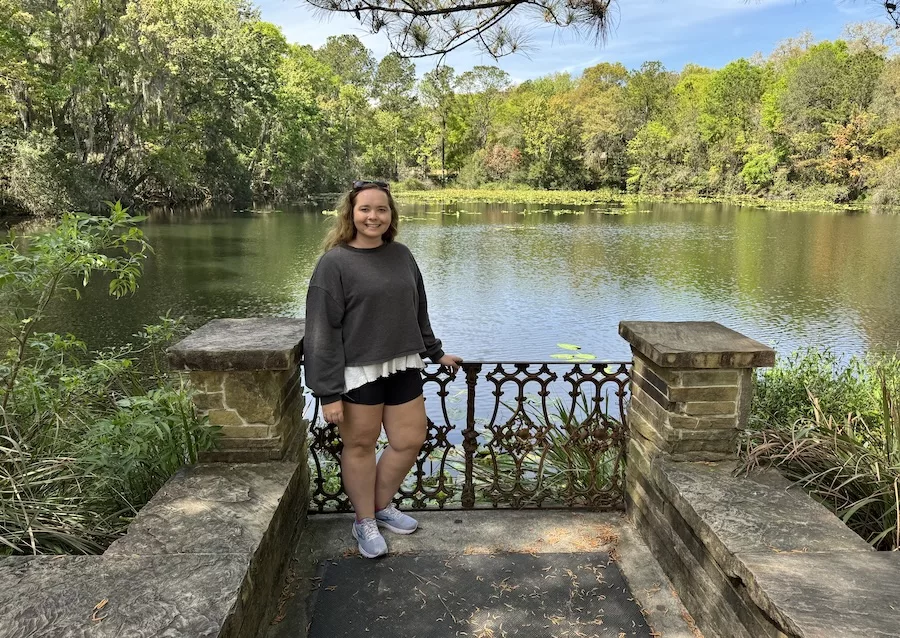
[246,374]
[691,386]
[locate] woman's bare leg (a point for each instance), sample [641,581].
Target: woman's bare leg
[359,433]
[405,426]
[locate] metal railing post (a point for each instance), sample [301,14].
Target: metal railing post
[470,436]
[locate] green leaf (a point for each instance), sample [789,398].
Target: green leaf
[568,346]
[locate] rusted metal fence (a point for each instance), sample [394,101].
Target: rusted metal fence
[504,434]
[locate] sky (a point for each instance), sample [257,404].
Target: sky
[676,32]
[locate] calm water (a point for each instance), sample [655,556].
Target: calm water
[510,281]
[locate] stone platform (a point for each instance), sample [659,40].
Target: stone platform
[453,549]
[752,556]
[450,595]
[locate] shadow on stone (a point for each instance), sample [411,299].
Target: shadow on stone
[504,594]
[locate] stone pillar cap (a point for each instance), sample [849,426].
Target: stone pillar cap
[695,344]
[266,343]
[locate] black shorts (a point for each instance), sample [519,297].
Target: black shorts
[396,389]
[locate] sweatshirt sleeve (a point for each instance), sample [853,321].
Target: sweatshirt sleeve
[433,346]
[323,344]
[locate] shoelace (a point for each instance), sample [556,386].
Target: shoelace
[368,528]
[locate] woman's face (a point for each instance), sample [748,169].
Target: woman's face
[371,214]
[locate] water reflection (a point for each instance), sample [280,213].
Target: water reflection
[511,281]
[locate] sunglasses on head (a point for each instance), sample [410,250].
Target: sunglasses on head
[362,183]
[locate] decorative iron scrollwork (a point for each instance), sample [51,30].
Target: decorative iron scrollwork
[533,435]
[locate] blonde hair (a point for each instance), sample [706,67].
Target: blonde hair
[344,230]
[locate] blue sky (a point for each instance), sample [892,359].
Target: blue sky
[676,32]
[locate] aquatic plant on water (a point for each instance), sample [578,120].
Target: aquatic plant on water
[606,196]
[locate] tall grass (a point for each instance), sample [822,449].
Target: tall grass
[85,438]
[835,429]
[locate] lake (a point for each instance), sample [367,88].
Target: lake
[510,282]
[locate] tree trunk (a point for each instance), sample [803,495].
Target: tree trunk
[443,150]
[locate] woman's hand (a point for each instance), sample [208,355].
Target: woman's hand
[451,361]
[333,412]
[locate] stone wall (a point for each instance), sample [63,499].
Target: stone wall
[246,377]
[203,558]
[750,555]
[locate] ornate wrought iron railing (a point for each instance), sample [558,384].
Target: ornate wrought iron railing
[544,434]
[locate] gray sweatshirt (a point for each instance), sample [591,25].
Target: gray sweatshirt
[364,306]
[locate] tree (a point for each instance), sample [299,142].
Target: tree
[647,93]
[436,89]
[480,93]
[689,147]
[729,119]
[299,152]
[418,28]
[390,139]
[879,37]
[599,108]
[886,106]
[395,79]
[158,99]
[349,59]
[648,152]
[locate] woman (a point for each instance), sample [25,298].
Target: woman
[366,326]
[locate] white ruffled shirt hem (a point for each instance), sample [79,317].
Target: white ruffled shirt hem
[358,376]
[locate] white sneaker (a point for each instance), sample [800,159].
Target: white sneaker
[396,521]
[371,542]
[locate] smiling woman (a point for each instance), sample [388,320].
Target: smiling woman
[367,328]
[372,217]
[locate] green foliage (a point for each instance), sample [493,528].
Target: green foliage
[884,177]
[411,184]
[781,395]
[166,101]
[86,439]
[43,178]
[759,168]
[648,155]
[834,428]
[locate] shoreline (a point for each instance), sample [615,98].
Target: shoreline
[535,196]
[548,197]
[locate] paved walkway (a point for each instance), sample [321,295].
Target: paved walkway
[481,574]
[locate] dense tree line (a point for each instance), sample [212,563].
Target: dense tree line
[185,100]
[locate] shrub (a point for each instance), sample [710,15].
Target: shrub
[473,173]
[835,430]
[85,439]
[885,178]
[851,466]
[37,173]
[44,179]
[782,393]
[759,168]
[411,184]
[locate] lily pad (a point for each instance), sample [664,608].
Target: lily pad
[568,346]
[563,356]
